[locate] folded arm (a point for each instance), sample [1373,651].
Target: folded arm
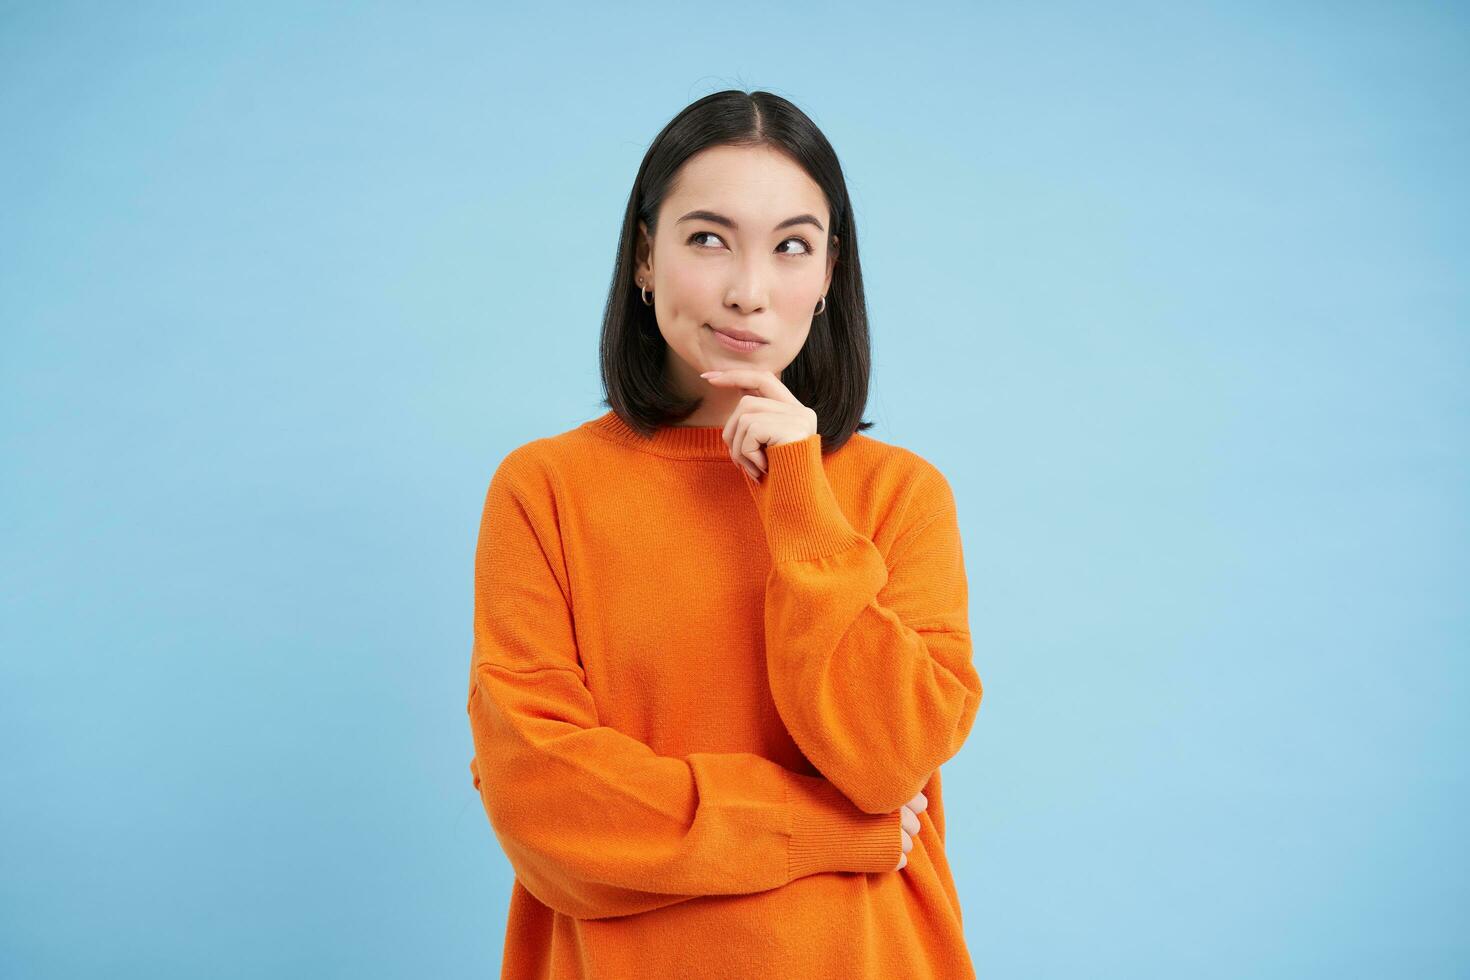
[594,822]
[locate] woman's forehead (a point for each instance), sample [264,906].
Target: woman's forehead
[754,187]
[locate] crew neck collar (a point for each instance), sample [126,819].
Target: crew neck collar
[674,441]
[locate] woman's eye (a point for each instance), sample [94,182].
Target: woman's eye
[806,245]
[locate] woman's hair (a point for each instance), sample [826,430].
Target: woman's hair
[830,374]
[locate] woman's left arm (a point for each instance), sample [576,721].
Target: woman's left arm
[869,659]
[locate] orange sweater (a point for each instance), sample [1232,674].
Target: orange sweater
[698,701]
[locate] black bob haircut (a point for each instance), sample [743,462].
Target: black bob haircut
[830,373]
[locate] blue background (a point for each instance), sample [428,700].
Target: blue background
[1175,294]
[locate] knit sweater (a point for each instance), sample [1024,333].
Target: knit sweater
[698,701]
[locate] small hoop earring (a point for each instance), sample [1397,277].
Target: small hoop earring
[822,308]
[644,293]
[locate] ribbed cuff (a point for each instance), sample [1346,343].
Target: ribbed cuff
[829,833]
[802,517]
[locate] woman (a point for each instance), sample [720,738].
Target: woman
[721,639]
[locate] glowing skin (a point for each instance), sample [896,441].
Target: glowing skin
[754,277]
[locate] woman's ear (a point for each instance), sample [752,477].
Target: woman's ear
[643,257]
[831,264]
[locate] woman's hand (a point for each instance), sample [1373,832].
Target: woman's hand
[910,825]
[769,415]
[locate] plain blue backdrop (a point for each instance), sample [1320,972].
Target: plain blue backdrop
[1174,294]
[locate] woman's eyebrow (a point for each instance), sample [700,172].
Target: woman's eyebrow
[720,219]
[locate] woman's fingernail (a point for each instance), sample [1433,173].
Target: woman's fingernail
[709,374]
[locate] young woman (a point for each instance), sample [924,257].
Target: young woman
[721,638]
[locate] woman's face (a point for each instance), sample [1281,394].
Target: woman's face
[743,244]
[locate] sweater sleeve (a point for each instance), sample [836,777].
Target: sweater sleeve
[869,659]
[594,822]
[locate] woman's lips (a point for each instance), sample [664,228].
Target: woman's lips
[732,343]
